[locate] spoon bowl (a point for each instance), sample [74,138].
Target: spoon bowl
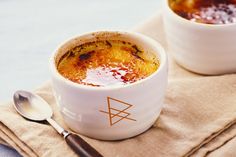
[31,106]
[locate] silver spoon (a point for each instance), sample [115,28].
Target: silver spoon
[34,108]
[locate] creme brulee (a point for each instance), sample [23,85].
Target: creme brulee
[105,63]
[206,11]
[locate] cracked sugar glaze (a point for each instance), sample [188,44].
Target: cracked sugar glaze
[106,63]
[206,11]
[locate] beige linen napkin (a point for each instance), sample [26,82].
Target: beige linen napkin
[198,119]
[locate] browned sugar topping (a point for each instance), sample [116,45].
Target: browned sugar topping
[207,11]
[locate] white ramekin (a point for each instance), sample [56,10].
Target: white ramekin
[84,107]
[201,48]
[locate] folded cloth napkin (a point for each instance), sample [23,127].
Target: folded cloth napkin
[198,118]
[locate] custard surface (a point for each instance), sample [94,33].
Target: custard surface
[105,63]
[206,11]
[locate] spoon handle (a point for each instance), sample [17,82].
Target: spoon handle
[81,147]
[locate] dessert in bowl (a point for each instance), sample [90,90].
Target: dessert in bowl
[109,85]
[201,34]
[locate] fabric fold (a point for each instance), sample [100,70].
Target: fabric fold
[12,140]
[198,118]
[218,142]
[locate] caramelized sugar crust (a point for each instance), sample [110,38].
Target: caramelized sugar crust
[104,63]
[206,11]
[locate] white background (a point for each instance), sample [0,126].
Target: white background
[30,30]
